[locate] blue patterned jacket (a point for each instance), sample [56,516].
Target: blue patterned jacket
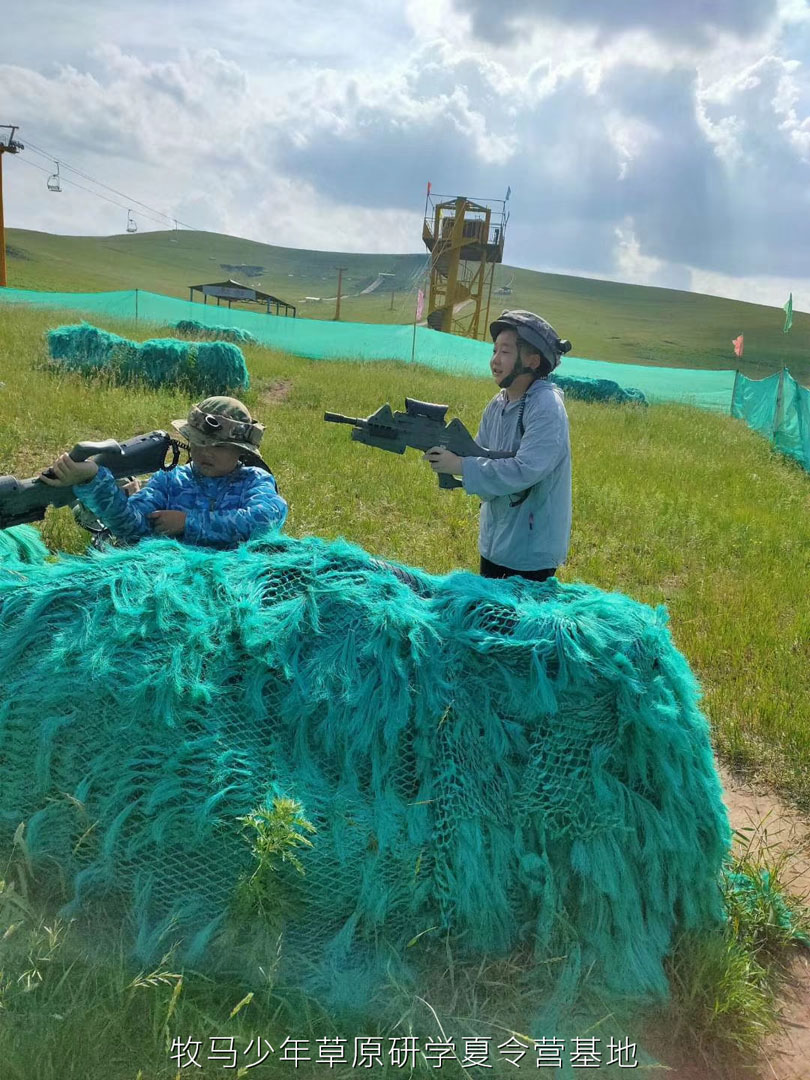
[220,511]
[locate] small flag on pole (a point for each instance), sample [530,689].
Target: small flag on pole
[738,345]
[420,304]
[508,193]
[428,191]
[788,310]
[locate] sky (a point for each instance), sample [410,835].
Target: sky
[644,141]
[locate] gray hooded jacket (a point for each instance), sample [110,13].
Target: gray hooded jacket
[533,535]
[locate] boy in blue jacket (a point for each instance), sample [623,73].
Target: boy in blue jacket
[225,496]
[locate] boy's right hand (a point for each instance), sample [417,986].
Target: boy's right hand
[65,472]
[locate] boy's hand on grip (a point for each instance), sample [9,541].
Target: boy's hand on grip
[443,460]
[65,472]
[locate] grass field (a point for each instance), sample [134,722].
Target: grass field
[671,505]
[604,320]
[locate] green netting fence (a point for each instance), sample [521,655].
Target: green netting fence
[326,340]
[778,408]
[491,767]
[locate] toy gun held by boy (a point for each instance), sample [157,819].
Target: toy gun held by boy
[22,501]
[420,426]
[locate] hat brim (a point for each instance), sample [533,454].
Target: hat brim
[199,438]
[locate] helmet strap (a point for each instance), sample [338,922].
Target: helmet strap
[518,370]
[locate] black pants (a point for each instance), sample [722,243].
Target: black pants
[492,570]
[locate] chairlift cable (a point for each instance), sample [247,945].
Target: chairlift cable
[99,183]
[98,195]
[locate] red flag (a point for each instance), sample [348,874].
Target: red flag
[428,187]
[738,345]
[420,304]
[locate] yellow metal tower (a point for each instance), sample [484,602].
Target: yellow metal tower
[465,239]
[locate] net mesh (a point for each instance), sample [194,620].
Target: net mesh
[489,765]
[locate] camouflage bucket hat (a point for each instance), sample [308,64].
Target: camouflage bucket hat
[221,421]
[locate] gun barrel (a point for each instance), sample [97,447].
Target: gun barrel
[336,418]
[24,501]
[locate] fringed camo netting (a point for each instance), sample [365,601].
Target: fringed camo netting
[192,328]
[22,544]
[489,765]
[207,367]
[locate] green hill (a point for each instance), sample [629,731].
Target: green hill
[605,320]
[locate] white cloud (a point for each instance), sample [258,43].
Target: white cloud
[631,264]
[771,291]
[633,150]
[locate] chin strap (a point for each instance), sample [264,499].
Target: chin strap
[517,372]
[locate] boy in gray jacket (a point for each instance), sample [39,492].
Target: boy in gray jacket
[525,499]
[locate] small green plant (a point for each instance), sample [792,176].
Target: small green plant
[762,914]
[276,835]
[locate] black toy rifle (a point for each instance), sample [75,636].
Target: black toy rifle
[420,426]
[27,500]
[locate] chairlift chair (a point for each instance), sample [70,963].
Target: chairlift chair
[131,225]
[54,180]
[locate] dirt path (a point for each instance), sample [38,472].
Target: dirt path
[275,392]
[786,1057]
[779,829]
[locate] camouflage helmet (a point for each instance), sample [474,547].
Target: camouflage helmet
[535,332]
[221,421]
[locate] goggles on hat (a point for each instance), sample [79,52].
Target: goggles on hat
[224,427]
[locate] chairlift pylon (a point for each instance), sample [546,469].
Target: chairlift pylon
[131,225]
[54,180]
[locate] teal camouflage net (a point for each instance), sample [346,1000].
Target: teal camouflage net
[22,544]
[208,367]
[490,766]
[584,389]
[221,333]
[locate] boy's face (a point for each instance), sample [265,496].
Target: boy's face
[504,355]
[214,460]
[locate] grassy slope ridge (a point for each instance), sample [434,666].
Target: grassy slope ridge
[604,320]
